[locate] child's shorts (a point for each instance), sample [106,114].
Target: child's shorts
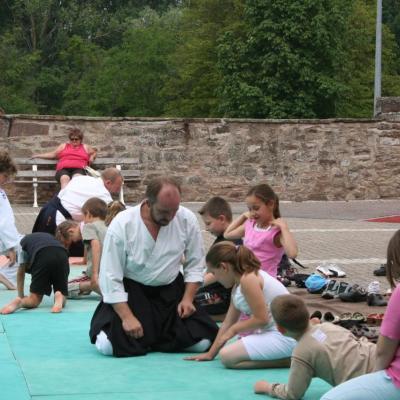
[269,345]
[50,268]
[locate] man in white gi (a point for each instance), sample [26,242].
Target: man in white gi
[9,236]
[147,300]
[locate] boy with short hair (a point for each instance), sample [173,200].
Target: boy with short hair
[216,214]
[94,213]
[326,351]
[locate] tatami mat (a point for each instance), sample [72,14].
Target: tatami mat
[54,360]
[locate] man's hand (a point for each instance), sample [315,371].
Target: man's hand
[132,327]
[12,255]
[186,308]
[262,387]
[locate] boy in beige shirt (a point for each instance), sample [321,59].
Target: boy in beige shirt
[326,351]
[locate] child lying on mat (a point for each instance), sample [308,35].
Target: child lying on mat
[326,351]
[45,257]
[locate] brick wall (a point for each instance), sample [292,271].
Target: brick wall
[301,159]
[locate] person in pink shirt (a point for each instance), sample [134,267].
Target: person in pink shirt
[263,230]
[384,384]
[72,157]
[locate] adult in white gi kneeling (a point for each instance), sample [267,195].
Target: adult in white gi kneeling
[148,298]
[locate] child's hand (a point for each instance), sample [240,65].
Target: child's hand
[262,387]
[247,215]
[200,357]
[280,223]
[12,255]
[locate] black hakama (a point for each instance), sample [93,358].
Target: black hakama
[156,309]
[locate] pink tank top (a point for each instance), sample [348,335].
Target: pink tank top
[261,242]
[73,157]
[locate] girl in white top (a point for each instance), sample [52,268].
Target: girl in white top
[252,292]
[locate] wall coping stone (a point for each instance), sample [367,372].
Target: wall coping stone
[192,120]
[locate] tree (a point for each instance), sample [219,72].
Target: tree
[284,61]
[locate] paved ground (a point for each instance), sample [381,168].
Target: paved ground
[325,231]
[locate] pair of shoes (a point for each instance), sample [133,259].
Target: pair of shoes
[356,317]
[334,289]
[330,269]
[376,299]
[381,271]
[353,294]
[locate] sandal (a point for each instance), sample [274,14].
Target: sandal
[329,317]
[357,316]
[345,316]
[375,319]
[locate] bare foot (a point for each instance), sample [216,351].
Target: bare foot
[7,283]
[13,306]
[59,302]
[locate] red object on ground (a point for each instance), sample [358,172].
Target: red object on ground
[394,219]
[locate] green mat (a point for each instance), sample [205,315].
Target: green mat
[49,356]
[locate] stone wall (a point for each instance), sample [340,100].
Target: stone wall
[301,159]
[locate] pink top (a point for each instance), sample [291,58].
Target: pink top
[391,329]
[261,242]
[72,157]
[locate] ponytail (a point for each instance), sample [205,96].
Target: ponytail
[240,258]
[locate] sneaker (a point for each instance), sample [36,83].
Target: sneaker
[376,299]
[324,270]
[73,290]
[331,290]
[381,271]
[336,271]
[374,287]
[353,294]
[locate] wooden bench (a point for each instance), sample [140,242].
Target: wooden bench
[43,171]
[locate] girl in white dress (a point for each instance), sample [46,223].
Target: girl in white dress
[252,292]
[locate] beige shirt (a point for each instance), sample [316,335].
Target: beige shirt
[329,352]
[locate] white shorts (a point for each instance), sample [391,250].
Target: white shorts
[269,345]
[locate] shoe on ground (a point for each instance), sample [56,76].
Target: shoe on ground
[331,290]
[324,270]
[336,271]
[329,317]
[374,287]
[353,294]
[381,271]
[376,299]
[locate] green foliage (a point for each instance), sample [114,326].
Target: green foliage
[358,99]
[17,78]
[195,58]
[284,62]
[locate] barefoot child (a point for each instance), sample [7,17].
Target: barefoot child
[252,292]
[263,230]
[326,351]
[46,259]
[95,212]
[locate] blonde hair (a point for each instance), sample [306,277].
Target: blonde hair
[240,257]
[62,231]
[113,208]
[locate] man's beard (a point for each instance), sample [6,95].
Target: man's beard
[159,222]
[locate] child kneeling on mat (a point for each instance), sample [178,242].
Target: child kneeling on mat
[252,292]
[326,351]
[45,257]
